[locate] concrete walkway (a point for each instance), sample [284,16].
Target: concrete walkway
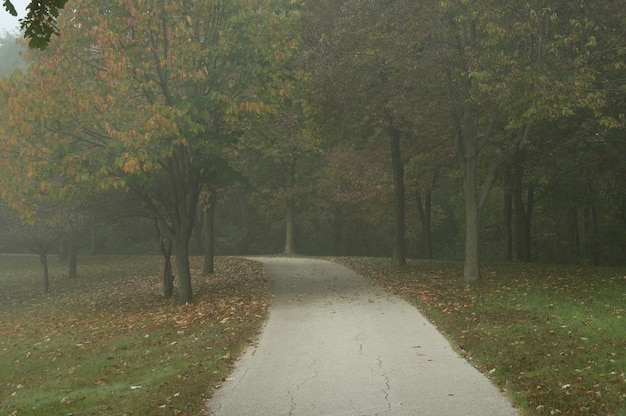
[337,344]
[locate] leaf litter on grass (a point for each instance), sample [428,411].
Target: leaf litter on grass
[84,347]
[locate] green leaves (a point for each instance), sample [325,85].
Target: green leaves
[9,7]
[40,22]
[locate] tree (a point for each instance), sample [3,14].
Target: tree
[362,59]
[288,154]
[507,68]
[155,93]
[208,205]
[39,236]
[40,22]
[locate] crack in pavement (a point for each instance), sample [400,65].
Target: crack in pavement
[385,390]
[300,385]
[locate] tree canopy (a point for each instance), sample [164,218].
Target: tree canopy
[153,96]
[39,24]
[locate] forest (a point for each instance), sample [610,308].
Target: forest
[474,130]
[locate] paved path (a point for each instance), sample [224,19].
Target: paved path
[337,344]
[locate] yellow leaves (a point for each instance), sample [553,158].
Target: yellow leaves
[133,161]
[251,107]
[231,114]
[131,165]
[610,122]
[256,107]
[591,41]
[44,187]
[162,123]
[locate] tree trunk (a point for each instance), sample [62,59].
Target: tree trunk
[208,264]
[471,271]
[508,221]
[523,214]
[462,116]
[185,293]
[397,166]
[165,246]
[524,225]
[468,156]
[290,209]
[338,232]
[574,235]
[182,229]
[592,233]
[72,258]
[289,225]
[175,210]
[46,276]
[424,209]
[168,275]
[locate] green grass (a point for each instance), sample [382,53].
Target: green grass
[552,337]
[109,343]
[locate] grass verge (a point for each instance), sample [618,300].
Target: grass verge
[552,337]
[109,343]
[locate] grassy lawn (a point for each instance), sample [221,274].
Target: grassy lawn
[552,337]
[108,343]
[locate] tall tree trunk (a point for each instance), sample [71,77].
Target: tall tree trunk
[467,148]
[462,116]
[183,228]
[397,166]
[424,209]
[181,241]
[574,235]
[289,226]
[471,272]
[208,264]
[338,232]
[43,258]
[591,233]
[523,214]
[165,246]
[290,209]
[176,211]
[527,224]
[168,274]
[508,221]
